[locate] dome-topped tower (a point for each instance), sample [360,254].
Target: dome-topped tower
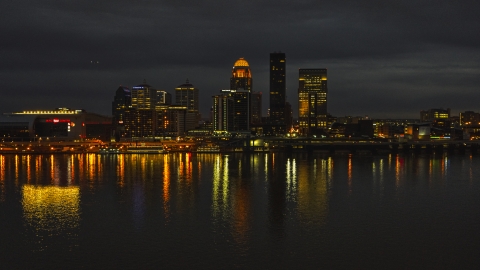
[241,76]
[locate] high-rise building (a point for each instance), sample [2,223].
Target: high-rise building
[256,108]
[143,97]
[239,111]
[312,100]
[187,95]
[140,124]
[121,102]
[222,112]
[162,98]
[277,91]
[241,76]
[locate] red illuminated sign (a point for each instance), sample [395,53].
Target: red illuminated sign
[56,120]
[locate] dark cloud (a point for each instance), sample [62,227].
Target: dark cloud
[384,59]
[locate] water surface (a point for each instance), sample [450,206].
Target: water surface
[242,211]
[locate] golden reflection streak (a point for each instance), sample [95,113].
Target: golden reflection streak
[38,167]
[166,186]
[349,172]
[225,185]
[81,165]
[29,169]
[91,166]
[52,169]
[445,166]
[17,169]
[216,186]
[121,170]
[266,166]
[330,171]
[292,178]
[180,172]
[70,169]
[221,190]
[189,168]
[397,172]
[2,178]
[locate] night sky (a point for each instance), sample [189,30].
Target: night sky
[384,58]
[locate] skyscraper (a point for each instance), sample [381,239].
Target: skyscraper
[187,95]
[256,108]
[241,76]
[143,97]
[240,90]
[312,100]
[277,91]
[121,102]
[222,112]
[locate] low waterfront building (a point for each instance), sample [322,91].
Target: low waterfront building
[57,124]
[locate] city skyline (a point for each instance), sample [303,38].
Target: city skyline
[384,60]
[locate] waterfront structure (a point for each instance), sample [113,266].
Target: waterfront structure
[312,101]
[278,92]
[140,124]
[58,124]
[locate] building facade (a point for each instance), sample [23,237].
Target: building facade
[61,124]
[222,113]
[278,91]
[241,76]
[143,97]
[312,101]
[256,108]
[187,95]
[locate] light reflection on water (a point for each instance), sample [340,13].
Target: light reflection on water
[232,207]
[51,211]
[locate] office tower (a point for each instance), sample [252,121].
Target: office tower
[140,124]
[223,112]
[163,98]
[277,91]
[312,100]
[256,108]
[240,110]
[434,114]
[288,116]
[143,97]
[121,102]
[187,95]
[241,76]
